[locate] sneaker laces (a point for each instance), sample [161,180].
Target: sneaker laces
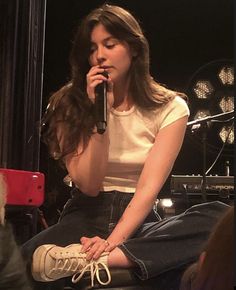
[94,268]
[68,264]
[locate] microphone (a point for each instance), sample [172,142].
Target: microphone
[101,105]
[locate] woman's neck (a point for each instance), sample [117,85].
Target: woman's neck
[122,98]
[123,106]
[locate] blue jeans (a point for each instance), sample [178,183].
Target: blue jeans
[156,247]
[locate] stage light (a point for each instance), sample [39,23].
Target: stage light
[166,202]
[201,114]
[203,89]
[227,134]
[227,104]
[164,207]
[226,75]
[210,91]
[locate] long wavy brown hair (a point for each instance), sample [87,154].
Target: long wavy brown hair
[70,108]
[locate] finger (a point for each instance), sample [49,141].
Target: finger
[91,252]
[96,239]
[104,247]
[90,243]
[96,250]
[98,245]
[87,243]
[96,77]
[84,240]
[95,74]
[95,83]
[95,70]
[98,253]
[91,89]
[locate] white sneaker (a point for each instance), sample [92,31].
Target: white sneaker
[51,262]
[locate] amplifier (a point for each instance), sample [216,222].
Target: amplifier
[223,185]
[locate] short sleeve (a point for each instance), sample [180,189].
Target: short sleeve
[174,110]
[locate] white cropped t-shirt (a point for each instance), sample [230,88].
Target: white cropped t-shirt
[132,134]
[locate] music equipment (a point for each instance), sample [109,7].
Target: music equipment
[24,188]
[101,105]
[192,184]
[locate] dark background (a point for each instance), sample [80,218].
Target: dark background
[184,35]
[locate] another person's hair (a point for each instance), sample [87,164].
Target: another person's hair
[215,272]
[71,108]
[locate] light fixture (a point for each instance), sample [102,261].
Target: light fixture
[227,134]
[226,75]
[166,202]
[203,89]
[201,114]
[227,104]
[210,91]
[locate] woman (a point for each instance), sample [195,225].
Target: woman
[117,174]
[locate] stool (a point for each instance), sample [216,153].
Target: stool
[125,279]
[23,220]
[25,193]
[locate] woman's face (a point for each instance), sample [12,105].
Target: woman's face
[110,53]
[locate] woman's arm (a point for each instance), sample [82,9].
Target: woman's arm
[154,174]
[156,169]
[87,169]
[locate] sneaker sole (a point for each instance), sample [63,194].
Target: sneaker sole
[39,262]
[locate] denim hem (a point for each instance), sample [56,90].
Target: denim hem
[144,273]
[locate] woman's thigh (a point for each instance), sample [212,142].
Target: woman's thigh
[67,231]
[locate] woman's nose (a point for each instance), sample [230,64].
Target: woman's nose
[100,55]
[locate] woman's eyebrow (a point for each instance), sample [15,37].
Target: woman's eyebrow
[105,39]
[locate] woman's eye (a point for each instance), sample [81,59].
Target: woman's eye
[92,49]
[110,45]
